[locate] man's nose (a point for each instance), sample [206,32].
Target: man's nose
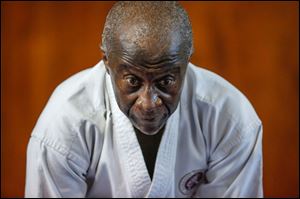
[149,100]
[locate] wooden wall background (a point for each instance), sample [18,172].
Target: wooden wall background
[254,45]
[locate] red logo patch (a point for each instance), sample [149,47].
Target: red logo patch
[189,183]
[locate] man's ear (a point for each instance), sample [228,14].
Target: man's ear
[104,58]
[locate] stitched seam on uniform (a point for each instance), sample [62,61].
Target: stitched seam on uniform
[168,146]
[168,156]
[52,144]
[56,147]
[238,128]
[202,99]
[138,181]
[237,140]
[231,117]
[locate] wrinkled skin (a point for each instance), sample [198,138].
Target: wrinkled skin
[147,77]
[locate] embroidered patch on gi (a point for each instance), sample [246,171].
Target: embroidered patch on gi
[189,183]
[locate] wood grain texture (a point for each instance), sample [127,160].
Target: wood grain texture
[254,45]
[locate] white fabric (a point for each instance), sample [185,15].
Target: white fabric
[84,146]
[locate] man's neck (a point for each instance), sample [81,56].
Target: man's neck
[149,145]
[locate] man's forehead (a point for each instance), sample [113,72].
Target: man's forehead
[147,50]
[141,37]
[145,60]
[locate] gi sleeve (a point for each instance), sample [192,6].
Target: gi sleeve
[51,172]
[235,168]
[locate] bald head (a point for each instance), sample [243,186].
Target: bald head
[136,24]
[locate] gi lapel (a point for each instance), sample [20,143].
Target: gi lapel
[164,172]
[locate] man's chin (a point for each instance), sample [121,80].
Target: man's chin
[148,130]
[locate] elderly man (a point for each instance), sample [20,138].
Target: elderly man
[144,122]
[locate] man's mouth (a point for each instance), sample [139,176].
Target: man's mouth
[148,123]
[148,119]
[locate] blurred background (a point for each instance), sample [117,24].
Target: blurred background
[254,45]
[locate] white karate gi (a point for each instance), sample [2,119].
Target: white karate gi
[84,146]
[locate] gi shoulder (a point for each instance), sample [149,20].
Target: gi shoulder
[73,120]
[217,92]
[224,113]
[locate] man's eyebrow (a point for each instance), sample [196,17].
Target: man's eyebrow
[162,61]
[158,62]
[163,70]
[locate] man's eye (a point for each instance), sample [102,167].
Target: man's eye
[166,82]
[132,81]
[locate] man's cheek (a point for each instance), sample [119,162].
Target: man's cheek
[125,106]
